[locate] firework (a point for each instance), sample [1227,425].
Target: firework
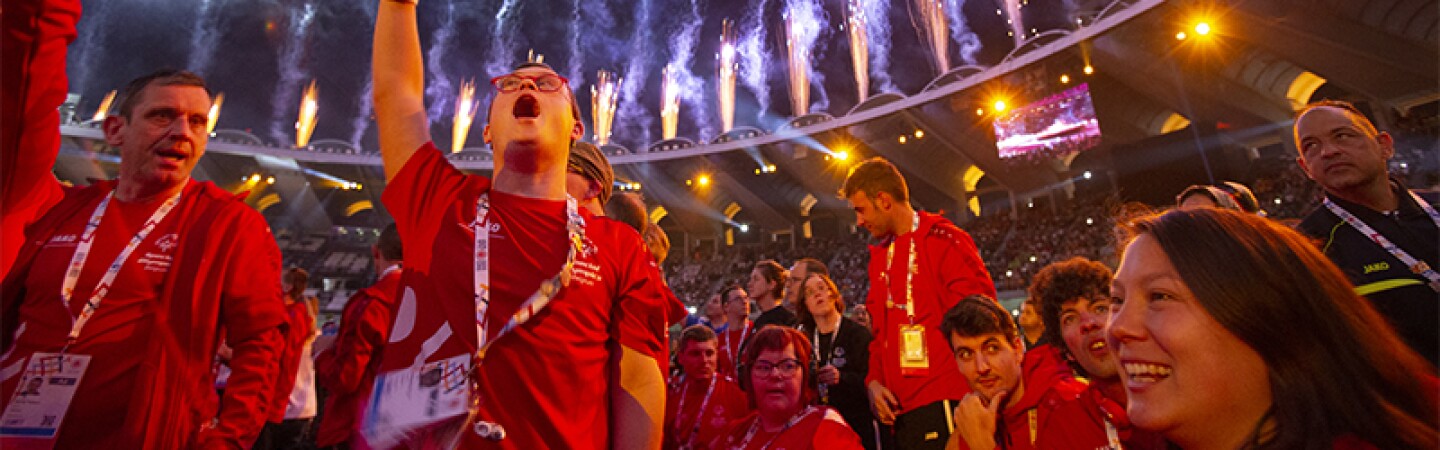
[604,98]
[859,47]
[669,103]
[214,115]
[798,56]
[104,109]
[933,30]
[727,68]
[309,105]
[465,107]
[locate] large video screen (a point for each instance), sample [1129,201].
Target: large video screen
[1055,126]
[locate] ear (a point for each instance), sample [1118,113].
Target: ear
[112,126]
[1387,144]
[577,132]
[1019,344]
[883,201]
[485,133]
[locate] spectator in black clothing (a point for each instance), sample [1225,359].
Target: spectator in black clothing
[767,288]
[1384,237]
[842,354]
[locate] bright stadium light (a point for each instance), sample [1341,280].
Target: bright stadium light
[842,155]
[1202,28]
[999,105]
[703,180]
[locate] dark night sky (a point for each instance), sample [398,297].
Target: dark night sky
[121,39]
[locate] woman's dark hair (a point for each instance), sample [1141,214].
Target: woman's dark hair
[775,273]
[802,309]
[1062,282]
[299,280]
[777,337]
[1336,367]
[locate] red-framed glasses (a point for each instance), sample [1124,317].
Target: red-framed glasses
[544,83]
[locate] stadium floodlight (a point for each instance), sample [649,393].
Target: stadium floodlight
[1202,28]
[703,180]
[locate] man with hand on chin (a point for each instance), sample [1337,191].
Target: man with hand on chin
[513,302]
[1007,408]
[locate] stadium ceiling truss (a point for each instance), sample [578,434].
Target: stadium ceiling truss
[1270,57]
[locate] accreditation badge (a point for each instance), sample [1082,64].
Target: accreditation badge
[417,403]
[914,357]
[41,399]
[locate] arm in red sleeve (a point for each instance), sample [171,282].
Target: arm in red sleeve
[32,77]
[961,273]
[875,303]
[353,350]
[253,316]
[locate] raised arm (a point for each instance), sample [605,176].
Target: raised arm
[32,79]
[399,85]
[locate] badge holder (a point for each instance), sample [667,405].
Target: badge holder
[41,399]
[914,355]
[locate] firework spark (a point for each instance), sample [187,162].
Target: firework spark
[855,26]
[798,57]
[214,115]
[669,103]
[104,109]
[727,68]
[309,106]
[465,107]
[604,98]
[934,30]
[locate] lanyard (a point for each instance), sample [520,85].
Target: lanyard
[834,342]
[1416,266]
[680,411]
[755,426]
[537,302]
[914,267]
[82,253]
[729,345]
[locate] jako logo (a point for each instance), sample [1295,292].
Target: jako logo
[1376,267]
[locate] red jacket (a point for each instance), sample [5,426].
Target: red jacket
[1053,414]
[175,404]
[346,369]
[949,270]
[301,329]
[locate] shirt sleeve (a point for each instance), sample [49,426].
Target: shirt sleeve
[641,312]
[858,360]
[32,76]
[963,273]
[418,197]
[834,434]
[875,304]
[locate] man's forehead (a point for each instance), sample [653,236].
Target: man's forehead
[533,71]
[1323,119]
[969,341]
[173,94]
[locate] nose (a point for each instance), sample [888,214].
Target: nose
[1127,323]
[1089,322]
[982,364]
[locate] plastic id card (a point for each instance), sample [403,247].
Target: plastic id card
[43,396]
[914,357]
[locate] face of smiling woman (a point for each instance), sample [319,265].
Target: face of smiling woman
[1186,375]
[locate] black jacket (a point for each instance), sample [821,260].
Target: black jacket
[1403,297]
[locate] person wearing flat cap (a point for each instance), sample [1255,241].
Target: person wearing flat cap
[590,179]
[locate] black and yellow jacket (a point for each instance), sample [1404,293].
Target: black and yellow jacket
[1400,295]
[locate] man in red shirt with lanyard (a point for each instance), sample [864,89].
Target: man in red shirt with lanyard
[703,402]
[122,283]
[922,267]
[347,368]
[502,336]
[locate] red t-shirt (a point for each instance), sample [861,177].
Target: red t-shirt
[546,382]
[116,333]
[949,269]
[727,404]
[1052,414]
[730,343]
[346,369]
[301,328]
[822,429]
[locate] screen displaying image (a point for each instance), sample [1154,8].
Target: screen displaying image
[1055,126]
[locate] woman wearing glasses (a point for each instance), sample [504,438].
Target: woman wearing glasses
[776,373]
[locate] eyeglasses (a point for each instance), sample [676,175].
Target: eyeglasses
[544,83]
[786,367]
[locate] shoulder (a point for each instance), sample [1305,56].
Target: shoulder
[1317,223]
[938,230]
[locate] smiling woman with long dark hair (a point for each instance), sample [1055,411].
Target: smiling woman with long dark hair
[1235,332]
